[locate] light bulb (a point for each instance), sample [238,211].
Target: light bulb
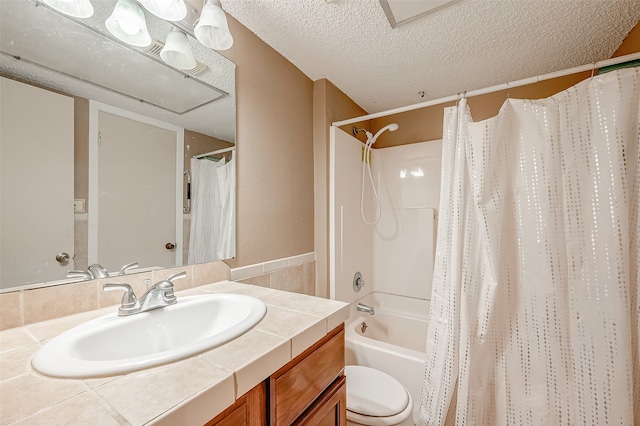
[75,8]
[169,10]
[127,23]
[212,29]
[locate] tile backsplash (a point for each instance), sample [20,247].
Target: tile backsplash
[28,306]
[296,274]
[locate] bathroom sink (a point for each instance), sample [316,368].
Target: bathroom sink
[112,344]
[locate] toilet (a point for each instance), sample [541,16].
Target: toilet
[374,398]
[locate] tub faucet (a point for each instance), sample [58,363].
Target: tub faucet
[365,308]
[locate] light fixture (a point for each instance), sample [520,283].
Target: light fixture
[169,10]
[212,29]
[177,52]
[75,8]
[128,24]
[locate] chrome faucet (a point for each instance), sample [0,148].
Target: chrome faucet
[157,296]
[365,308]
[97,271]
[93,272]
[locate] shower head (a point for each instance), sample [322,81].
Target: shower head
[391,127]
[355,131]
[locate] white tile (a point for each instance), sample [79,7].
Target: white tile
[301,328]
[83,409]
[236,288]
[17,361]
[248,376]
[306,338]
[202,407]
[337,318]
[274,265]
[15,337]
[247,271]
[310,305]
[302,258]
[254,356]
[25,395]
[132,397]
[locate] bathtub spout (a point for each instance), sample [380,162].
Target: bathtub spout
[365,308]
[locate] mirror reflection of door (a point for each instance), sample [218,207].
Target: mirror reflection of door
[36,155]
[139,187]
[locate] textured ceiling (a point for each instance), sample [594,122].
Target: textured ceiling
[469,45]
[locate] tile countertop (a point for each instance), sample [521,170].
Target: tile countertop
[187,392]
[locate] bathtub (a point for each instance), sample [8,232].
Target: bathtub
[393,340]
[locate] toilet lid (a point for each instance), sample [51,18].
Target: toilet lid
[371,392]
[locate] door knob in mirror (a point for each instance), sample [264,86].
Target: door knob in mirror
[62,258]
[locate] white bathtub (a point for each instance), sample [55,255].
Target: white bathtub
[394,340]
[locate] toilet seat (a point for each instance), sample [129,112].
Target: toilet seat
[375,398]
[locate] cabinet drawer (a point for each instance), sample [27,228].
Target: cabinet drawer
[295,386]
[328,410]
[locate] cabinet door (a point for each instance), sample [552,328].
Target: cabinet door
[330,409]
[295,387]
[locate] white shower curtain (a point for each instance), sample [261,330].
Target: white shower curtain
[534,311]
[213,234]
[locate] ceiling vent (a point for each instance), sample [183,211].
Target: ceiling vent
[401,12]
[154,50]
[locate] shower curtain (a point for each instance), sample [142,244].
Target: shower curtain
[534,310]
[213,234]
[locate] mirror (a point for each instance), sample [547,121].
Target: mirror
[78,57]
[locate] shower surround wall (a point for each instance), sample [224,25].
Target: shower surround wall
[395,256]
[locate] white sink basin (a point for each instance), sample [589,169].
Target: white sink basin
[113,344]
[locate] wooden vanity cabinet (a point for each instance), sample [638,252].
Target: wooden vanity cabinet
[310,390]
[311,384]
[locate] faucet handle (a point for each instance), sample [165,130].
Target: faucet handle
[128,266]
[176,276]
[129,300]
[79,274]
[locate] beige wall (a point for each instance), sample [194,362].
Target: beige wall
[631,43]
[275,152]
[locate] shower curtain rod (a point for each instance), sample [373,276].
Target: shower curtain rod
[219,151]
[504,86]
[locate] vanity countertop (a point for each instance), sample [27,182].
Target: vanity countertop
[186,392]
